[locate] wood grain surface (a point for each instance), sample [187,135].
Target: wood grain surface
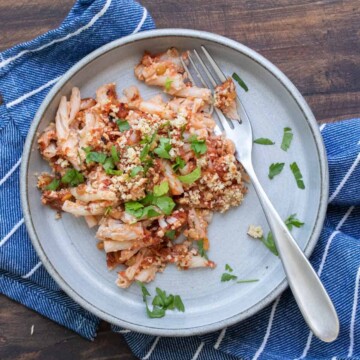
[315,43]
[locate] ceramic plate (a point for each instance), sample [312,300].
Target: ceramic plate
[67,246]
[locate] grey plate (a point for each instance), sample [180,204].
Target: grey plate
[67,247]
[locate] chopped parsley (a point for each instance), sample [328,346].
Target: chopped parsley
[201,250]
[163,149]
[227,277]
[123,125]
[72,177]
[240,81]
[138,210]
[114,154]
[247,281]
[168,83]
[287,138]
[179,163]
[275,169]
[161,189]
[165,203]
[108,210]
[263,141]
[148,142]
[298,176]
[53,185]
[269,240]
[161,302]
[198,146]
[134,171]
[228,268]
[191,177]
[170,234]
[97,157]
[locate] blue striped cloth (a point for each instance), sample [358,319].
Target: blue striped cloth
[27,73]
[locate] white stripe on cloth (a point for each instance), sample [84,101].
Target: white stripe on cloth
[198,351]
[8,174]
[353,314]
[11,232]
[345,179]
[322,263]
[32,270]
[126,331]
[268,330]
[31,93]
[68,36]
[153,346]
[220,338]
[141,23]
[322,126]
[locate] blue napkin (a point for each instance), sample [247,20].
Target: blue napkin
[28,71]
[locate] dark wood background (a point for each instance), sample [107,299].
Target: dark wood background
[315,43]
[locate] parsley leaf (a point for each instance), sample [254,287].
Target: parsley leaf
[94,156]
[228,268]
[293,221]
[170,234]
[201,250]
[161,189]
[192,177]
[53,185]
[165,203]
[178,303]
[287,138]
[114,172]
[163,149]
[198,146]
[114,154]
[156,313]
[179,163]
[134,171]
[108,210]
[275,169]
[263,141]
[72,177]
[247,281]
[149,212]
[269,243]
[123,125]
[241,82]
[168,83]
[297,174]
[227,277]
[134,208]
[144,290]
[144,152]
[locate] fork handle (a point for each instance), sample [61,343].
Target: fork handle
[310,294]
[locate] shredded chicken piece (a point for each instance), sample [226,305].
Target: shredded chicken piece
[225,99]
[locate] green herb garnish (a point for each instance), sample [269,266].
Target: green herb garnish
[163,149]
[72,177]
[275,169]
[170,234]
[228,268]
[241,82]
[165,203]
[293,221]
[161,302]
[247,281]
[161,189]
[134,171]
[123,125]
[227,277]
[287,138]
[192,177]
[198,146]
[263,141]
[297,174]
[168,83]
[201,250]
[179,163]
[53,185]
[114,154]
[97,157]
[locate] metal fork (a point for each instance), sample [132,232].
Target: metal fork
[310,295]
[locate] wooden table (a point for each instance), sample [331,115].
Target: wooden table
[315,43]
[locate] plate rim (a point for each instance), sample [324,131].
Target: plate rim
[202,35]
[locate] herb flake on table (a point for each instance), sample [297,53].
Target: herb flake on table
[275,169]
[287,139]
[240,81]
[247,281]
[264,141]
[297,175]
[161,302]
